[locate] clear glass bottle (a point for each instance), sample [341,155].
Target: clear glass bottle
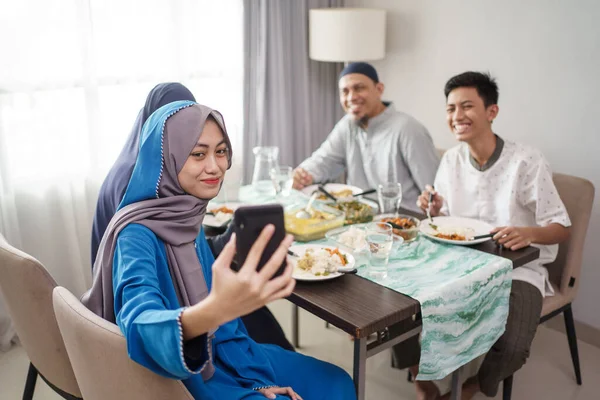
[265,159]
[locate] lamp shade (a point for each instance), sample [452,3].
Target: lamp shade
[346,34]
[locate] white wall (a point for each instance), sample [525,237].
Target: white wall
[546,58]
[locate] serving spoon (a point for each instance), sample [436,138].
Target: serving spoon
[306,213]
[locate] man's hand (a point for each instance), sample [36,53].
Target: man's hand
[302,178]
[514,237]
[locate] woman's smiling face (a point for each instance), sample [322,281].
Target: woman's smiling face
[205,167]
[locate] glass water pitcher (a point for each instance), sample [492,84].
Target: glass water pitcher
[265,159]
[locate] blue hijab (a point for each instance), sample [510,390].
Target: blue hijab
[113,187]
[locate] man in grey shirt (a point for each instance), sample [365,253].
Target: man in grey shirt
[373,142]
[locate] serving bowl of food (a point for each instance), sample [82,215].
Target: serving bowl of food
[322,219]
[403,225]
[356,211]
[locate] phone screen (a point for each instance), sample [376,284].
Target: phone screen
[249,221]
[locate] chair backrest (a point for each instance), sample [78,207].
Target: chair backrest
[578,196]
[27,289]
[98,352]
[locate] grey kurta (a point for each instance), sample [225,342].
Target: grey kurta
[395,147]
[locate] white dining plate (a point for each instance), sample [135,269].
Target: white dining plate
[464,226]
[309,276]
[331,187]
[212,221]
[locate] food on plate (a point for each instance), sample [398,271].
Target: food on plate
[454,233]
[354,238]
[322,262]
[222,209]
[315,216]
[222,214]
[356,212]
[450,236]
[339,194]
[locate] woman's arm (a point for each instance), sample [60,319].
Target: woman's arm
[156,335]
[149,322]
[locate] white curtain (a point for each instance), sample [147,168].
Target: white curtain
[73,75]
[277,65]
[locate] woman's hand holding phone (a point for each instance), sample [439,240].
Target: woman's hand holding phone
[234,294]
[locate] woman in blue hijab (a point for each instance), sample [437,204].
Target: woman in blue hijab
[178,307]
[261,324]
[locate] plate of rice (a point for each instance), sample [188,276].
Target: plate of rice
[455,230]
[319,263]
[219,215]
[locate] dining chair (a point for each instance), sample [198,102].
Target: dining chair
[98,352]
[27,288]
[578,196]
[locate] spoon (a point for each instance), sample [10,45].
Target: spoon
[352,271]
[306,214]
[429,210]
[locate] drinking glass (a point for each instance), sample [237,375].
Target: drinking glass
[283,179]
[379,240]
[390,196]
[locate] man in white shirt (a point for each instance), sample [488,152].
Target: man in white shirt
[373,143]
[510,186]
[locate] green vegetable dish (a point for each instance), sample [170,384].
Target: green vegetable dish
[356,211]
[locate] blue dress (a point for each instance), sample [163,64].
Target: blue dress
[147,312]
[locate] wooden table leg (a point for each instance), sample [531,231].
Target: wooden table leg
[456,386]
[295,326]
[360,366]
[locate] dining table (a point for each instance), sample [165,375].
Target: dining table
[375,316]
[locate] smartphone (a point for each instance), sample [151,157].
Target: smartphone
[249,221]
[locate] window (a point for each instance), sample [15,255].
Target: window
[75,73]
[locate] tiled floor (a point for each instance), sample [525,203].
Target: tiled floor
[547,375]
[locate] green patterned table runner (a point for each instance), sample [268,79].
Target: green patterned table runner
[463,294]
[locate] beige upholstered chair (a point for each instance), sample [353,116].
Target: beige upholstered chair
[578,196]
[27,288]
[98,352]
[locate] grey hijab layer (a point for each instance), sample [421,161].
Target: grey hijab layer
[174,216]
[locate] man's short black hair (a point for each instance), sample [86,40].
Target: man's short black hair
[485,85]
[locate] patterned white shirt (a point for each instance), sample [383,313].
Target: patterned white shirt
[516,190]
